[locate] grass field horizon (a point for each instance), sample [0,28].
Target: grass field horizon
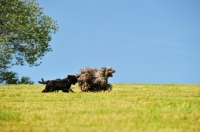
[128,107]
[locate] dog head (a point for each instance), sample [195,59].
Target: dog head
[107,71]
[72,79]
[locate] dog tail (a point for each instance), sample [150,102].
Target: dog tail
[42,82]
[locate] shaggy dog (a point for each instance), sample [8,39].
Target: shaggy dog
[59,84]
[94,79]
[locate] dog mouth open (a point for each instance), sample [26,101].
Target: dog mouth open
[111,73]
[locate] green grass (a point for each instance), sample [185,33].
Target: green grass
[129,107]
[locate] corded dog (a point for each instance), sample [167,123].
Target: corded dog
[95,80]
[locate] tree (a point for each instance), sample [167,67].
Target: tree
[25,80]
[25,33]
[12,78]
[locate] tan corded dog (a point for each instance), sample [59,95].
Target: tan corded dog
[95,80]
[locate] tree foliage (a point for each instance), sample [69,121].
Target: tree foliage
[25,33]
[12,78]
[25,80]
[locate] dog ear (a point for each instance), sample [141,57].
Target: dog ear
[103,68]
[69,76]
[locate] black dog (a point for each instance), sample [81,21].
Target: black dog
[59,84]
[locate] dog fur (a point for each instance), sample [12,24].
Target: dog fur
[95,80]
[59,84]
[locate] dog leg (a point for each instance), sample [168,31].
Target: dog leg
[66,91]
[46,89]
[52,90]
[71,90]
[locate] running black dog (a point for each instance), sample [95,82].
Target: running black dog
[59,84]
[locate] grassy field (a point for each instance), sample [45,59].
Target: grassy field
[129,107]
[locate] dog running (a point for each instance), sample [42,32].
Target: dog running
[59,84]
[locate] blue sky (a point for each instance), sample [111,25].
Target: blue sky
[145,41]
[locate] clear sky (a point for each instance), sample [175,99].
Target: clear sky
[145,41]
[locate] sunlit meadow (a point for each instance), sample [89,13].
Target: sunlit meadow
[128,107]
